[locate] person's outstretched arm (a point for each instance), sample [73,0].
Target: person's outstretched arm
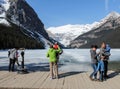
[58,50]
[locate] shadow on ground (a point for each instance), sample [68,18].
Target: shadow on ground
[33,67]
[69,74]
[112,75]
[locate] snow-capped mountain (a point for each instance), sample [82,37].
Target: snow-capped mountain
[108,31]
[4,6]
[65,34]
[19,13]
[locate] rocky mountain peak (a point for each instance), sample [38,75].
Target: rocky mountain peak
[111,16]
[109,27]
[21,15]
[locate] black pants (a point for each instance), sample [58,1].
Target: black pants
[101,76]
[11,64]
[105,68]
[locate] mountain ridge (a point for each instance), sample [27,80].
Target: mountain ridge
[111,16]
[104,33]
[21,16]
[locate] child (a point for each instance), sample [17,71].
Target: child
[56,46]
[107,50]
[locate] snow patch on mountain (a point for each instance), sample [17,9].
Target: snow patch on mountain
[43,39]
[4,6]
[65,34]
[112,15]
[5,22]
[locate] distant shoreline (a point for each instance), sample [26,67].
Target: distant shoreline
[62,48]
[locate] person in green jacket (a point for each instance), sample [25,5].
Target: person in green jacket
[52,59]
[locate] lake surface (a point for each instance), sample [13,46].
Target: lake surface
[70,60]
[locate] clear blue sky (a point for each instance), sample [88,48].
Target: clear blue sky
[62,12]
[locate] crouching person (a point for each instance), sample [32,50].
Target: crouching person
[52,59]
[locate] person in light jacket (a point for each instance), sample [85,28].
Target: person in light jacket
[12,57]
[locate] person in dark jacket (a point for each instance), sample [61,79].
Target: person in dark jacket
[106,58]
[56,46]
[93,62]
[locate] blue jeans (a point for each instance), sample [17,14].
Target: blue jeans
[94,66]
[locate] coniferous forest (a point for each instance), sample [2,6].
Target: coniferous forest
[12,36]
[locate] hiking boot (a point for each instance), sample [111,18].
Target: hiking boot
[91,79]
[100,80]
[95,79]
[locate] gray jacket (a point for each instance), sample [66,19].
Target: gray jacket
[103,52]
[93,56]
[13,54]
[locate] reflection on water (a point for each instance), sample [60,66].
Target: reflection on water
[70,60]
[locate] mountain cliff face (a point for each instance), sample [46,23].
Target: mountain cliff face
[19,15]
[108,32]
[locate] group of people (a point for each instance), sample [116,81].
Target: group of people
[53,54]
[13,55]
[99,62]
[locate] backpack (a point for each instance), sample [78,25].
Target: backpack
[55,46]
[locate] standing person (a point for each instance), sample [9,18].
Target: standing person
[56,46]
[103,51]
[108,48]
[9,52]
[107,55]
[93,61]
[22,55]
[17,55]
[52,59]
[12,57]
